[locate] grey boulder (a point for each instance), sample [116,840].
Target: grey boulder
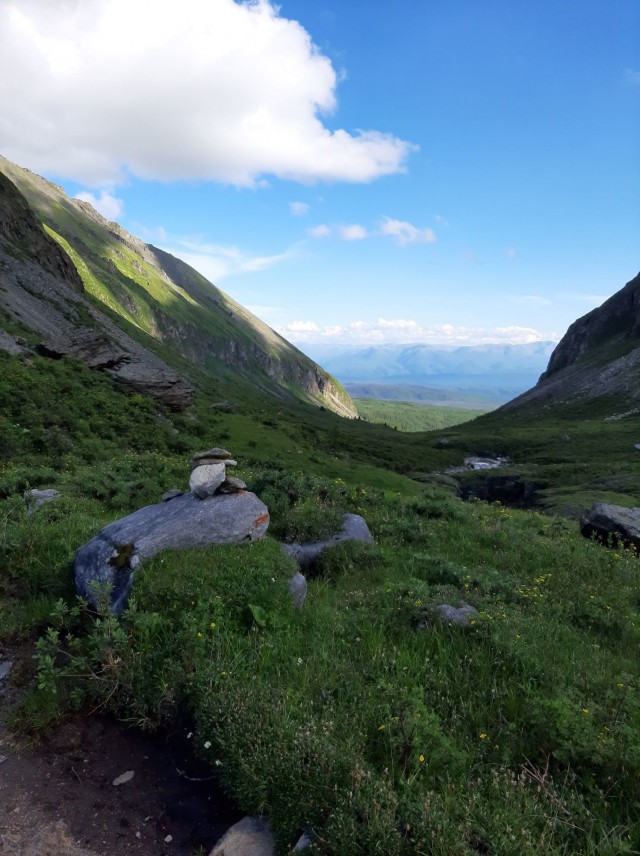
[110,559]
[458,616]
[354,529]
[35,498]
[612,524]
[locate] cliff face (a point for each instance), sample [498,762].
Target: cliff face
[616,321]
[156,292]
[598,357]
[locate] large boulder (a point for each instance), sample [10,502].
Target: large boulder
[110,559]
[354,529]
[612,525]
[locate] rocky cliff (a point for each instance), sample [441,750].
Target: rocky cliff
[84,265]
[598,357]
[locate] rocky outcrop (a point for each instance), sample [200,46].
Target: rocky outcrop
[40,288]
[598,356]
[618,319]
[612,525]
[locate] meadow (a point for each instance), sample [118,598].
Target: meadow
[362,717]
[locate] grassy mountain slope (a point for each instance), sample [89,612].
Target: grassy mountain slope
[166,299]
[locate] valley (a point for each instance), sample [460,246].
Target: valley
[362,720]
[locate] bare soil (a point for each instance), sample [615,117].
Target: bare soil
[57,798]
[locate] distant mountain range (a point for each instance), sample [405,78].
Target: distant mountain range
[496,372]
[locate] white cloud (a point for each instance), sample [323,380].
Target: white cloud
[321,231]
[410,332]
[200,89]
[106,204]
[216,261]
[511,253]
[354,232]
[298,209]
[405,233]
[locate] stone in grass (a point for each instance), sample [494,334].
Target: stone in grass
[111,558]
[458,616]
[251,836]
[298,590]
[612,525]
[206,479]
[35,498]
[354,528]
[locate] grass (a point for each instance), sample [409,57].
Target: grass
[361,716]
[411,416]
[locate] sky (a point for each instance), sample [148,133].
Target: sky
[438,171]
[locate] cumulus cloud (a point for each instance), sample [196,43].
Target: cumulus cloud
[106,204]
[216,261]
[298,209]
[198,89]
[410,332]
[405,233]
[354,232]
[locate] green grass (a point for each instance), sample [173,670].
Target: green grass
[360,716]
[411,416]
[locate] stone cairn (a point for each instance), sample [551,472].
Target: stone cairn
[209,476]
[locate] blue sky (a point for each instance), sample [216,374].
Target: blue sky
[424,170]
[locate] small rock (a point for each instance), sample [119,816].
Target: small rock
[168,839]
[205,480]
[171,494]
[124,778]
[303,843]
[215,453]
[228,462]
[5,668]
[3,758]
[231,485]
[249,837]
[637,447]
[298,590]
[460,616]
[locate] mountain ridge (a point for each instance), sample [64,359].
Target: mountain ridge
[169,301]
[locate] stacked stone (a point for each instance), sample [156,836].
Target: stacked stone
[208,473]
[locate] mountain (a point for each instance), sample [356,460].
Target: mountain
[511,368]
[91,289]
[598,358]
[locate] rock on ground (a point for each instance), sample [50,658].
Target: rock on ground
[111,558]
[354,529]
[249,837]
[612,524]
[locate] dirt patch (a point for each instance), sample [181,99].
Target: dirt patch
[58,798]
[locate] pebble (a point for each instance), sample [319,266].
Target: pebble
[124,778]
